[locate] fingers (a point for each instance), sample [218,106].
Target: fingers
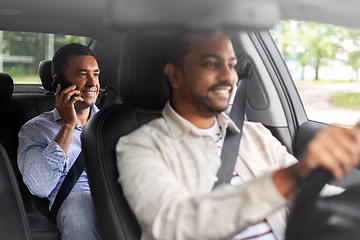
[68,92]
[342,148]
[65,104]
[70,95]
[58,89]
[335,149]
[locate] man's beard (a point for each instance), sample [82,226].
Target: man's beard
[205,104]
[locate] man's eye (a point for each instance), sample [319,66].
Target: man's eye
[209,64]
[232,65]
[82,74]
[96,74]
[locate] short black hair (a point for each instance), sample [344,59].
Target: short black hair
[60,59]
[177,48]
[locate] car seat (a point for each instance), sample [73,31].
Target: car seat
[14,224]
[11,116]
[144,92]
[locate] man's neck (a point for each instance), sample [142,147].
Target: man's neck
[83,115]
[199,120]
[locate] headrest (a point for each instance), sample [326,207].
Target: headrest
[7,86]
[141,78]
[44,70]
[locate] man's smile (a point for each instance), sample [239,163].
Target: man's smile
[222,90]
[89,92]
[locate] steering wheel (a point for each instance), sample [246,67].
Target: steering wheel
[329,218]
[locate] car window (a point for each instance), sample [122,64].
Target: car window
[324,62]
[21,53]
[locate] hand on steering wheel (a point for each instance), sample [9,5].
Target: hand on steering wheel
[331,218]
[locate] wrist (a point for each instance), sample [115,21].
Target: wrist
[68,126]
[285,181]
[296,172]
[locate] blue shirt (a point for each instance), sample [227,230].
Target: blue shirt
[42,162]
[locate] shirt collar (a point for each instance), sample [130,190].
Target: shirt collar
[180,127]
[57,117]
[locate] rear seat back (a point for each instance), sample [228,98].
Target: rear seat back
[8,135]
[11,208]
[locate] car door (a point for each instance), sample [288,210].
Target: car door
[294,130]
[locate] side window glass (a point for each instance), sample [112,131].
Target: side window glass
[21,53]
[324,62]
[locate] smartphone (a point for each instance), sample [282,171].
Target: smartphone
[61,79]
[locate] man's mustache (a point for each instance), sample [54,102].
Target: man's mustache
[221,84]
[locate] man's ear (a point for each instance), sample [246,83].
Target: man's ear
[172,74]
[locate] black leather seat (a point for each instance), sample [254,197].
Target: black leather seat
[12,114]
[144,92]
[8,136]
[16,221]
[13,220]
[143,89]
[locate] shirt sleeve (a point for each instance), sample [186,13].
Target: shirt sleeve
[41,161]
[166,209]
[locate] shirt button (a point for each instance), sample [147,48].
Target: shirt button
[216,179]
[210,143]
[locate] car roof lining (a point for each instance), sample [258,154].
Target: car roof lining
[87,17]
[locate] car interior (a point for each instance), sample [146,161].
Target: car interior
[128,39]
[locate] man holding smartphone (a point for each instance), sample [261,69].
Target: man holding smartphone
[49,144]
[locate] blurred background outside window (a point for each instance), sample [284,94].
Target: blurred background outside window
[21,53]
[324,62]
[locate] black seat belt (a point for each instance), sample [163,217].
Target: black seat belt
[67,185]
[232,139]
[110,96]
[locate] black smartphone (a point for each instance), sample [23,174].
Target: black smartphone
[61,79]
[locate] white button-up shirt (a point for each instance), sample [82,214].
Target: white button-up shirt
[168,169]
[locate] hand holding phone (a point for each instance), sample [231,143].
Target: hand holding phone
[61,79]
[64,83]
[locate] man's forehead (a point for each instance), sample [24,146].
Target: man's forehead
[203,35]
[88,70]
[205,45]
[83,63]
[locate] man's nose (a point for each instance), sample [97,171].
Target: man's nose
[91,80]
[228,74]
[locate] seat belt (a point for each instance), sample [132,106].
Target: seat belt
[110,96]
[232,139]
[67,185]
